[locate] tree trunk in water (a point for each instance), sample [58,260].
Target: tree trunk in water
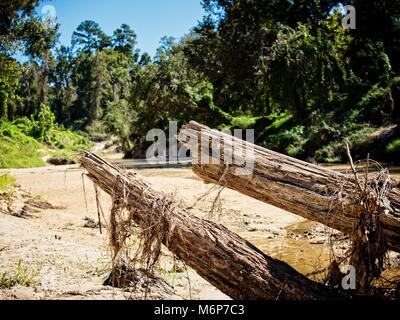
[310,191]
[227,261]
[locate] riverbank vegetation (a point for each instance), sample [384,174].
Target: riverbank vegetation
[28,142]
[288,69]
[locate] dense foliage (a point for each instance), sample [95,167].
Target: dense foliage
[288,69]
[26,142]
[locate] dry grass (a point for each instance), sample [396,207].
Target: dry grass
[367,201]
[136,239]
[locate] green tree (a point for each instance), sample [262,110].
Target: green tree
[145,59]
[62,90]
[166,90]
[296,63]
[40,39]
[89,38]
[91,80]
[124,39]
[12,14]
[9,83]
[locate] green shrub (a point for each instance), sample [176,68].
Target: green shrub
[67,140]
[244,122]
[22,276]
[393,147]
[329,153]
[279,120]
[17,133]
[24,142]
[100,130]
[14,154]
[376,105]
[40,128]
[290,141]
[6,181]
[358,136]
[18,150]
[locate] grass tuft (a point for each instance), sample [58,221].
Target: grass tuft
[22,276]
[20,147]
[6,182]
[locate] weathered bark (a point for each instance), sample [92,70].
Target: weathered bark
[304,189]
[223,258]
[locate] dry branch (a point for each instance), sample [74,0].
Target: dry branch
[223,258]
[20,203]
[310,191]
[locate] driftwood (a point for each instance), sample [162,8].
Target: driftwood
[305,189]
[223,258]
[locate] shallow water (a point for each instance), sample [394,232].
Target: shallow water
[308,255]
[393,170]
[305,255]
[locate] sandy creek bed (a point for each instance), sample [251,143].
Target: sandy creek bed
[71,262]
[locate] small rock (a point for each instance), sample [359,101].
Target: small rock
[318,242]
[90,223]
[60,161]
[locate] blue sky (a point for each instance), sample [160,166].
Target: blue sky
[151,19]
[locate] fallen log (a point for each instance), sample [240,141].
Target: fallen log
[305,189]
[221,257]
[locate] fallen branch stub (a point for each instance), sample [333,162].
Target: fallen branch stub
[223,258]
[310,191]
[20,203]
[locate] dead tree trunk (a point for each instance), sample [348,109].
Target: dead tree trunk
[304,189]
[223,258]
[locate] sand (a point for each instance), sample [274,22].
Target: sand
[72,262]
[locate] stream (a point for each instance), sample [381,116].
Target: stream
[305,246]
